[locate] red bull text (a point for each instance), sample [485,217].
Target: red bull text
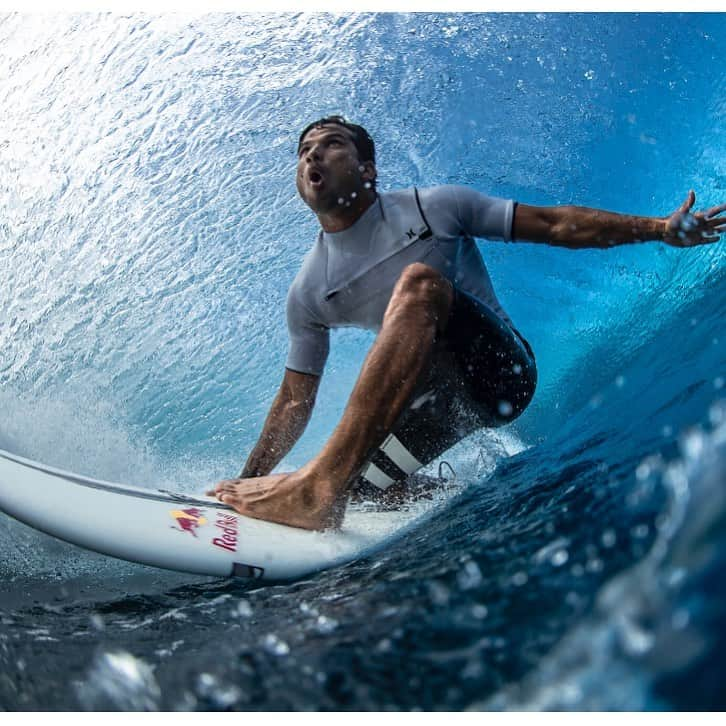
[227,523]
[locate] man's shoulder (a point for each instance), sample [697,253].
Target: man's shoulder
[436,194]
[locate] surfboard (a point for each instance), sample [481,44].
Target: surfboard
[193,534]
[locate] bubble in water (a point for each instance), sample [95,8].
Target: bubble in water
[589,75]
[353,195]
[559,558]
[341,200]
[718,383]
[608,538]
[620,381]
[516,369]
[519,579]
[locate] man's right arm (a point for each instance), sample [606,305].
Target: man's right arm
[288,417]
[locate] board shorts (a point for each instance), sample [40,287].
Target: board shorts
[482,375]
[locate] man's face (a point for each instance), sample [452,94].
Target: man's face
[330,175]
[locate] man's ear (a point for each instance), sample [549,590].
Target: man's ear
[369,171]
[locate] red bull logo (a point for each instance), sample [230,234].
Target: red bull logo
[188,520]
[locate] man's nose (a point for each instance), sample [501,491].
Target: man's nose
[313,153]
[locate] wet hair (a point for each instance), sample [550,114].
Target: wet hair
[361,138]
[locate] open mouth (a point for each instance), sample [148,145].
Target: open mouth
[315,177]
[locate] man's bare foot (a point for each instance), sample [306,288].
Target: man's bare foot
[295,499]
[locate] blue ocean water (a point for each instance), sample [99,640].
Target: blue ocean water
[149,229]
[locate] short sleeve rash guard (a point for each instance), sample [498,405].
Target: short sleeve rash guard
[347,277]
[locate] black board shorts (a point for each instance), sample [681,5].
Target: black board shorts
[482,374]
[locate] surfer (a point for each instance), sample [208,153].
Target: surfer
[447,359]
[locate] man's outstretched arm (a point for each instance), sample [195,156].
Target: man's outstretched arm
[288,417]
[581,227]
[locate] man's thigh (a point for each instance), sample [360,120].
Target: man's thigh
[481,375]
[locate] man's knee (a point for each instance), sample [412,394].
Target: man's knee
[421,285]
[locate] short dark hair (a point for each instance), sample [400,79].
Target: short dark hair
[361,138]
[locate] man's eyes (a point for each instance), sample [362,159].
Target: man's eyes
[329,142]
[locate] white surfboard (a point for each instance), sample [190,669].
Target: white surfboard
[177,531]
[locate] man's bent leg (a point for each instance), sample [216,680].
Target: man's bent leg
[483,374]
[315,496]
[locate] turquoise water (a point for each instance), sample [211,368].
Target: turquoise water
[149,231]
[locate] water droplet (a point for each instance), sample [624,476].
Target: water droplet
[608,538]
[594,565]
[470,577]
[516,369]
[326,625]
[680,619]
[438,593]
[367,185]
[643,471]
[341,200]
[559,558]
[353,195]
[505,408]
[589,75]
[479,611]
[244,609]
[717,414]
[274,645]
[119,679]
[693,445]
[635,639]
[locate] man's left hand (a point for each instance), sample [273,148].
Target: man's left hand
[688,229]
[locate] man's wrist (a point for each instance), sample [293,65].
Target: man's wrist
[660,228]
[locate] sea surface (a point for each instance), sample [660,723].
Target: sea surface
[149,230]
